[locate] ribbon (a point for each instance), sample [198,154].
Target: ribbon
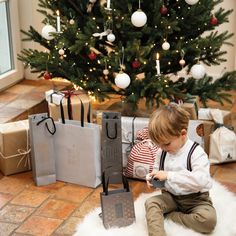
[218,125]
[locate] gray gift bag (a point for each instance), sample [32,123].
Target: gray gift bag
[42,130]
[112,145]
[78,152]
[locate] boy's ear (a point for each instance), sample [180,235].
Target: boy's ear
[183,132]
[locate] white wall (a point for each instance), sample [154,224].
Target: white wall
[29,16]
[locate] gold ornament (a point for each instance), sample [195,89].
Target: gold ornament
[182,62]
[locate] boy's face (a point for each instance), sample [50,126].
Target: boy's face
[174,144]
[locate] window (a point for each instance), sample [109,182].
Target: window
[11,70]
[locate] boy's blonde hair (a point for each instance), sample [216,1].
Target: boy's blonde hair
[167,122]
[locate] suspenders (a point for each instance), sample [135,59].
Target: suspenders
[163,156]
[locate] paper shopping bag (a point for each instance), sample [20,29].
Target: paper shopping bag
[117,205]
[111,144]
[78,152]
[42,131]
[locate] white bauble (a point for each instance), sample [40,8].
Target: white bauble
[92,1]
[61,52]
[165,46]
[105,71]
[198,71]
[191,2]
[111,37]
[139,18]
[72,21]
[122,80]
[47,30]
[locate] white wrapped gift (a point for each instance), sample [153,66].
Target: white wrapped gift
[130,126]
[54,97]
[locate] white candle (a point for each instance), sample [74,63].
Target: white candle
[58,21]
[158,64]
[108,4]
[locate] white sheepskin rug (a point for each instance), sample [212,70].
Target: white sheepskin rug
[223,200]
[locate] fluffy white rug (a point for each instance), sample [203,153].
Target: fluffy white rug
[223,200]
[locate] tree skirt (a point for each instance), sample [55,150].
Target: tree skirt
[224,202]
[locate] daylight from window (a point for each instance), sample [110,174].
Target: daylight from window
[5,49]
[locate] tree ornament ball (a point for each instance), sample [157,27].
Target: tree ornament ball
[47,31]
[198,71]
[182,62]
[92,1]
[191,2]
[105,71]
[47,75]
[111,37]
[92,56]
[136,64]
[163,10]
[139,18]
[71,21]
[214,21]
[61,52]
[122,80]
[165,46]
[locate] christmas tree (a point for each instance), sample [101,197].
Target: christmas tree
[133,48]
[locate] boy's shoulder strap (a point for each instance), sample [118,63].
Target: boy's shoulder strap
[162,160]
[163,156]
[189,167]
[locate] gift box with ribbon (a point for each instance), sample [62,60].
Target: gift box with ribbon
[130,128]
[192,106]
[14,147]
[71,102]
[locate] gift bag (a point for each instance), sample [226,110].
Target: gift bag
[111,145]
[78,152]
[222,141]
[141,159]
[42,131]
[117,205]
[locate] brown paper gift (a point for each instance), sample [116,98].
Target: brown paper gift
[76,98]
[192,106]
[14,147]
[230,120]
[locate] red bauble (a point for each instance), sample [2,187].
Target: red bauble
[136,64]
[47,75]
[214,21]
[163,10]
[92,56]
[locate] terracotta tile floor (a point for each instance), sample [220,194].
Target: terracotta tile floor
[55,209]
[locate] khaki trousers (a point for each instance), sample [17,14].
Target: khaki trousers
[194,211]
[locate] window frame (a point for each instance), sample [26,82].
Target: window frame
[16,74]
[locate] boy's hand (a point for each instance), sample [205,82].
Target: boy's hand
[161,175]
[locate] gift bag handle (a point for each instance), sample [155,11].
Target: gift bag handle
[106,183]
[111,137]
[46,124]
[70,114]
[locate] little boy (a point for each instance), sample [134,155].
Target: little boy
[184,167]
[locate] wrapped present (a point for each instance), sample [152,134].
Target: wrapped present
[199,131]
[192,107]
[222,140]
[71,104]
[205,113]
[54,97]
[230,120]
[130,127]
[14,147]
